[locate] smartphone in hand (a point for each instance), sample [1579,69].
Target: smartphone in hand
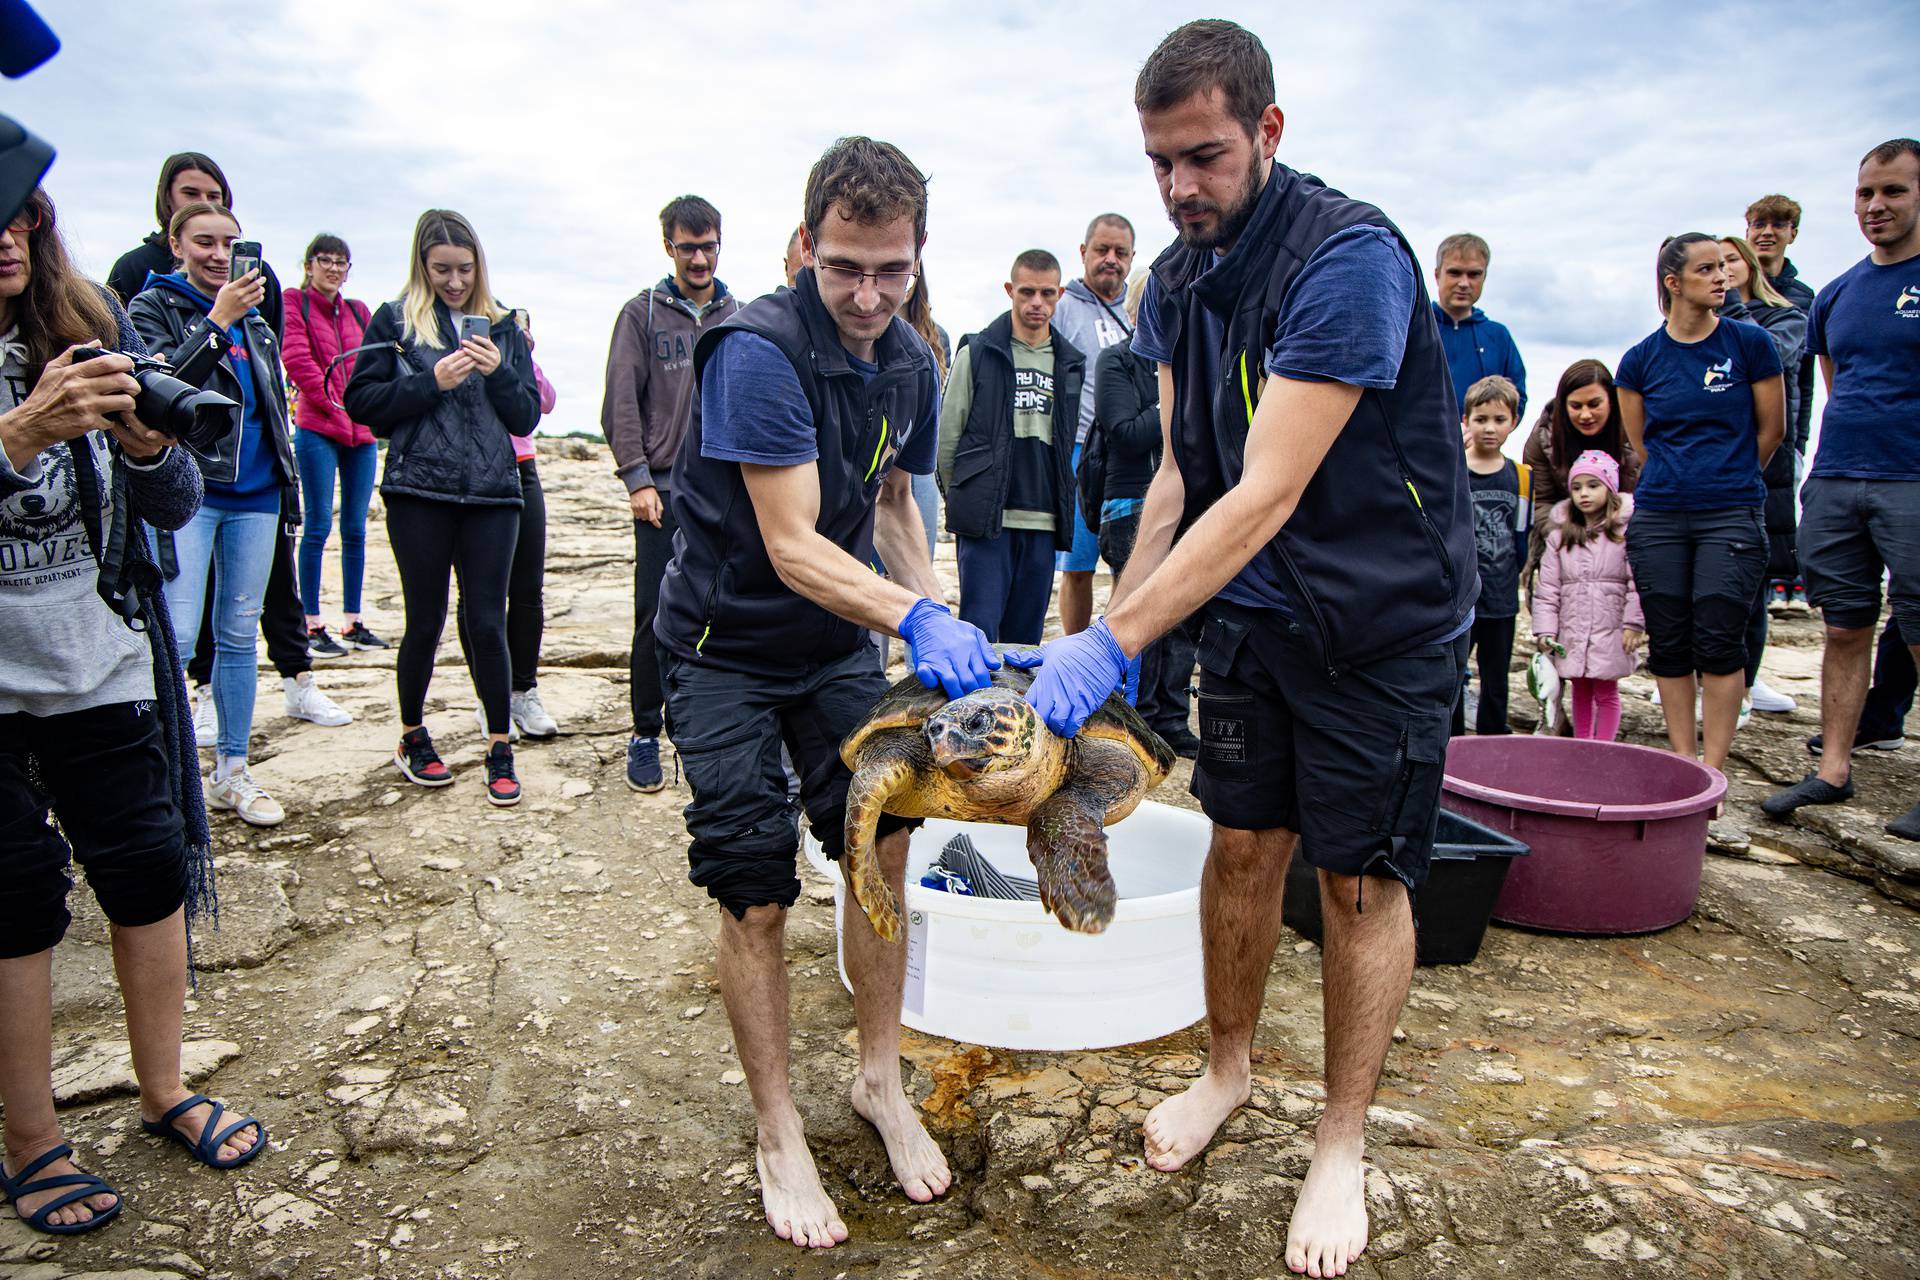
[475,327]
[244,256]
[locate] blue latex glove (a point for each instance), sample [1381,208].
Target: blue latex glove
[1077,673]
[945,652]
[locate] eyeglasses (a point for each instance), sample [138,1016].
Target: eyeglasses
[28,220]
[691,247]
[332,263]
[892,283]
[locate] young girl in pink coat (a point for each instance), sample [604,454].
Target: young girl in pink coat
[1585,610]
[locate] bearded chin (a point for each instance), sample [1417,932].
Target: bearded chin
[1232,221]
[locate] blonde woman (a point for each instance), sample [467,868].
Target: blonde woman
[450,405]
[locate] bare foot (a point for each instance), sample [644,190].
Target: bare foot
[1181,1127]
[796,1204]
[192,1123]
[917,1161]
[71,1215]
[1329,1227]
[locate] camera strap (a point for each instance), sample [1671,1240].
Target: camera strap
[118,583]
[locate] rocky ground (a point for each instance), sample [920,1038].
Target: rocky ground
[488,1043]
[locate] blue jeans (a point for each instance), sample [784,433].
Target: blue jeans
[1006,582]
[239,546]
[319,457]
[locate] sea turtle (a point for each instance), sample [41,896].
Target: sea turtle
[986,757]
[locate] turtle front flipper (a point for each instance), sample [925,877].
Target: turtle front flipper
[881,775]
[1067,840]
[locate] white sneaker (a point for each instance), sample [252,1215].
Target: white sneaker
[206,720]
[513,726]
[240,793]
[1767,698]
[1746,714]
[306,702]
[531,717]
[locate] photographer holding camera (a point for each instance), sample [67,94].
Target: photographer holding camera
[449,379]
[209,327]
[93,723]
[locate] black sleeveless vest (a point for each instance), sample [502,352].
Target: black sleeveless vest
[1378,557]
[721,602]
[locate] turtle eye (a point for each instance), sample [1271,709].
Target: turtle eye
[980,722]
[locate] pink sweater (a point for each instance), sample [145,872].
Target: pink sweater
[523,450]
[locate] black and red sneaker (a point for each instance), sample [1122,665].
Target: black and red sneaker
[503,788]
[420,762]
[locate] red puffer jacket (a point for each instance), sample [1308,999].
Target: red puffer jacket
[318,329]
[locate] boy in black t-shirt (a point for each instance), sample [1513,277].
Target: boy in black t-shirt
[1501,512]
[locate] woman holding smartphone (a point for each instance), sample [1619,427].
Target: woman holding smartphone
[205,321]
[449,381]
[1704,407]
[323,328]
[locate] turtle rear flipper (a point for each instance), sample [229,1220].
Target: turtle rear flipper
[882,773]
[1067,840]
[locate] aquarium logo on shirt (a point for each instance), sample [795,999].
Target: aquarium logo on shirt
[1908,303]
[1718,375]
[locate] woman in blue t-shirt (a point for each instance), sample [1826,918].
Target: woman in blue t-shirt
[1704,407]
[207,323]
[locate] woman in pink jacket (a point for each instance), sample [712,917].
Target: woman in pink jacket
[322,326]
[1585,609]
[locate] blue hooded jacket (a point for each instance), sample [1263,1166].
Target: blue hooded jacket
[1478,348]
[256,487]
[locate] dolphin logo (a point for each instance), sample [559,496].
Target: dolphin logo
[1718,372]
[1909,299]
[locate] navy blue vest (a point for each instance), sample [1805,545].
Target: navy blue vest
[987,453]
[721,602]
[1378,557]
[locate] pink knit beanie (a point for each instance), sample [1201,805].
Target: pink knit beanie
[1597,464]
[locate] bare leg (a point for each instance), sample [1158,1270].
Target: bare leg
[1367,966]
[151,963]
[1845,668]
[752,966]
[1720,715]
[1240,894]
[26,1083]
[877,970]
[1676,704]
[1076,601]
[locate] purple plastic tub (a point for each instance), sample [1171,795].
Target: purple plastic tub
[1618,832]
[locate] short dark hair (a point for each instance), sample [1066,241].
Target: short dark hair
[874,180]
[175,165]
[1108,220]
[1038,261]
[690,213]
[1205,55]
[326,242]
[1892,149]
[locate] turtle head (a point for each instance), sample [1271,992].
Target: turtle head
[984,732]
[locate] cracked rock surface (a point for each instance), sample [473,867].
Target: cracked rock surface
[489,1043]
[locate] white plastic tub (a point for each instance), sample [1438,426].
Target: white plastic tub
[1007,974]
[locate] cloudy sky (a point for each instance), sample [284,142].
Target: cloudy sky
[1573,136]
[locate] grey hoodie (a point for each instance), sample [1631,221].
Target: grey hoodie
[649,401]
[61,648]
[1091,325]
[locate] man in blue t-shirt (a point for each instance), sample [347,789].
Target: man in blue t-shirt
[817,406]
[1860,507]
[1315,479]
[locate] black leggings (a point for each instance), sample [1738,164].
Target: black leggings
[526,586]
[431,539]
[103,772]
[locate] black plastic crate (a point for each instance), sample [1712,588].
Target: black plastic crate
[1469,867]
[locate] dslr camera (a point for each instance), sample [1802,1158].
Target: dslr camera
[201,420]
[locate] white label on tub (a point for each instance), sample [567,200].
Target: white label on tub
[913,996]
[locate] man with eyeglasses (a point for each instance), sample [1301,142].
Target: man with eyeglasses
[1012,400]
[648,406]
[818,406]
